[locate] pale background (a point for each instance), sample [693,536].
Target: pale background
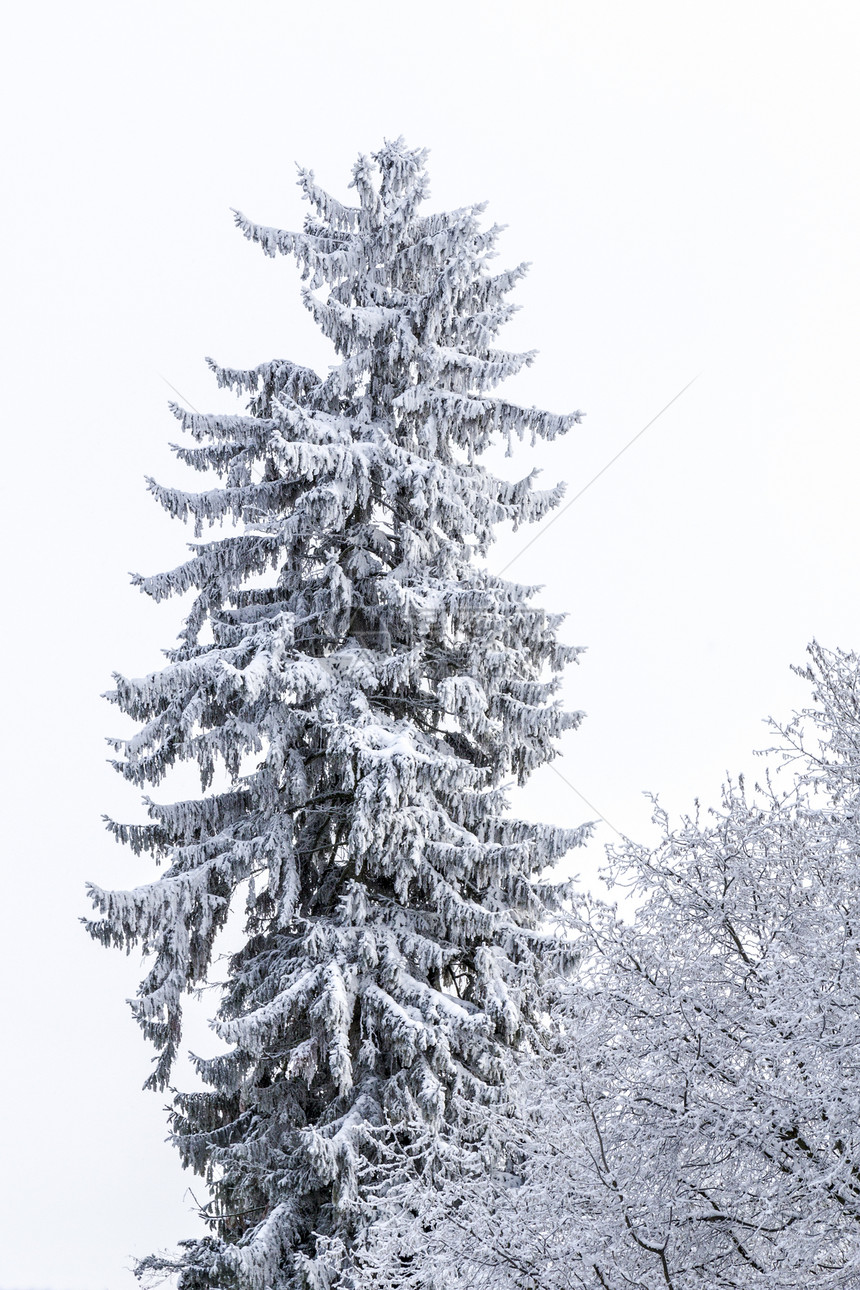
[684,177]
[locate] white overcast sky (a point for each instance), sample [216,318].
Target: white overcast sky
[684,178]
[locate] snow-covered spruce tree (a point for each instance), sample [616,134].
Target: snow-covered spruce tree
[363,690]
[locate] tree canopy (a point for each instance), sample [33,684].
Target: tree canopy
[356,691]
[697,1122]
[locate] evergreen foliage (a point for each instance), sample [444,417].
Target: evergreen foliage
[356,691]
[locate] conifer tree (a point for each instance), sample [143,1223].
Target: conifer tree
[356,691]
